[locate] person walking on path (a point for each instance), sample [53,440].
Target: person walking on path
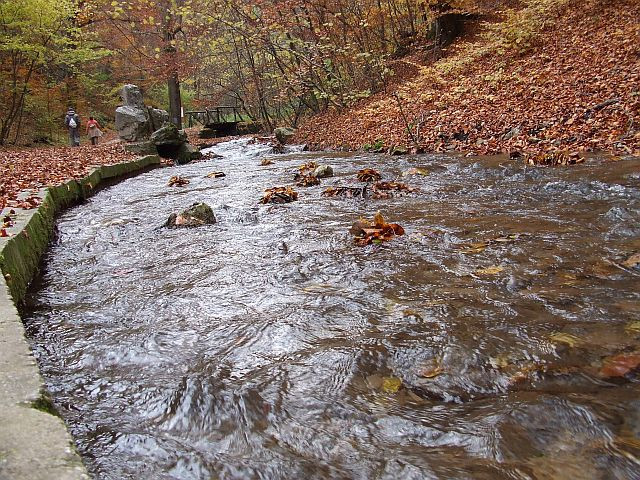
[72,122]
[93,130]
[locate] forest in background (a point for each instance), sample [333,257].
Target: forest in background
[279,60]
[431,75]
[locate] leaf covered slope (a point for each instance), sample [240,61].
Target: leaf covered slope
[552,76]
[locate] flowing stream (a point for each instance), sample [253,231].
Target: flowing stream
[480,345]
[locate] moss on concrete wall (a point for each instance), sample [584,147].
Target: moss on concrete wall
[34,444]
[20,254]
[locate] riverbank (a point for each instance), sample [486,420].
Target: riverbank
[34,443]
[552,76]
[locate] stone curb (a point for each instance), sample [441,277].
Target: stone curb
[34,442]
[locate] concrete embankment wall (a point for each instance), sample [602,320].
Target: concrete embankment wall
[34,442]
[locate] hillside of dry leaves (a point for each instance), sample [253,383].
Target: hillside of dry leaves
[34,168]
[574,86]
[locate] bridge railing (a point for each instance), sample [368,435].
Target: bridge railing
[214,116]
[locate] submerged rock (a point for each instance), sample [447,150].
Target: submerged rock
[323,171]
[187,153]
[196,215]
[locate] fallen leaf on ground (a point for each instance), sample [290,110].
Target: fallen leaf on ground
[178,181]
[28,203]
[3,232]
[279,195]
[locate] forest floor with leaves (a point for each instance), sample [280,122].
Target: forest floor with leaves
[575,89]
[29,169]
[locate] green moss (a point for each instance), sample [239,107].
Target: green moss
[44,404]
[20,257]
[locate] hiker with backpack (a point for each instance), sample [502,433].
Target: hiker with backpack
[72,122]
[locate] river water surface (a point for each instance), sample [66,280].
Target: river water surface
[480,345]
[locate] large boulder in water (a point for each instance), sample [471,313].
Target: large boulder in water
[323,171]
[284,134]
[196,215]
[169,135]
[187,153]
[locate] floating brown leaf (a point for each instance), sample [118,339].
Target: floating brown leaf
[307,181]
[178,181]
[390,189]
[369,175]
[308,167]
[633,261]
[415,171]
[347,192]
[279,195]
[216,175]
[377,231]
[553,159]
[620,365]
[265,162]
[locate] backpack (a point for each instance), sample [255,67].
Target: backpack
[72,122]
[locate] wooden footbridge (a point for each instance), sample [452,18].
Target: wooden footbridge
[222,119]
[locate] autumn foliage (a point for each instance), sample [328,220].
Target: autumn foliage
[556,76]
[35,168]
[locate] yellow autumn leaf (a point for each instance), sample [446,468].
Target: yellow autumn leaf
[391,384]
[566,338]
[494,270]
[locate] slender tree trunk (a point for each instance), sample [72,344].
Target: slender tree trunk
[175,101]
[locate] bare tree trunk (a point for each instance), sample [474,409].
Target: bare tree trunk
[175,101]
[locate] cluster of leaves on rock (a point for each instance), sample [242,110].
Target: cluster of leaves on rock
[376,231]
[279,195]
